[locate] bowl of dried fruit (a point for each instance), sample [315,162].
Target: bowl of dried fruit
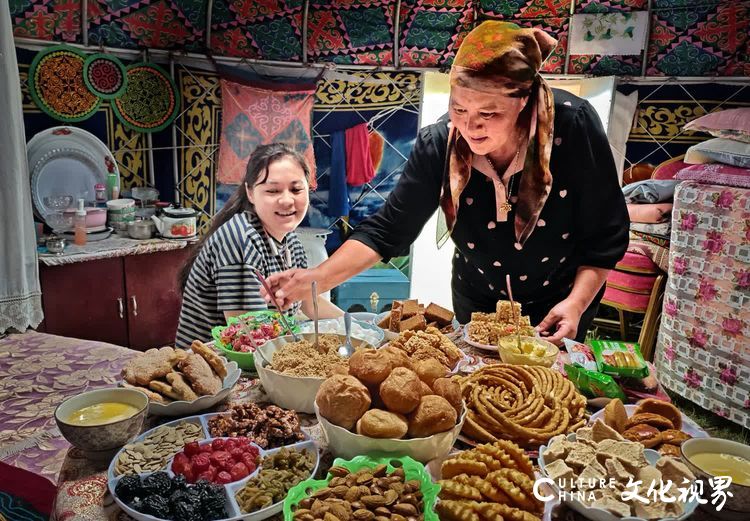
[400,485]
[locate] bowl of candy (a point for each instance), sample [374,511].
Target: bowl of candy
[243,334]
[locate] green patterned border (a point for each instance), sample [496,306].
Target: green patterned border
[116,61]
[40,102]
[170,118]
[412,469]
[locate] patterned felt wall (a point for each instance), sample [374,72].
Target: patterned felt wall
[687,37]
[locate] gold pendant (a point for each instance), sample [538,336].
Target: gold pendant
[506,207]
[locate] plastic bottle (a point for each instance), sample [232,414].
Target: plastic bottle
[113,186]
[79,224]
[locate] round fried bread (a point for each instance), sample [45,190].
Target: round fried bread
[662,408]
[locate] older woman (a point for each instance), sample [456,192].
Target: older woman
[525,184]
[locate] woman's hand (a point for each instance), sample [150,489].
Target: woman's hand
[561,321]
[289,287]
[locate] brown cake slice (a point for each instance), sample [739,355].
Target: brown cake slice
[409,308]
[439,314]
[415,323]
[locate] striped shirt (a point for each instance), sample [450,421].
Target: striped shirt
[222,278]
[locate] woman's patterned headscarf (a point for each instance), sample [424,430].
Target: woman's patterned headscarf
[503,58]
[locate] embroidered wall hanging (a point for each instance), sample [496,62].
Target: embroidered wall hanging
[57,87]
[615,33]
[105,75]
[150,101]
[253,116]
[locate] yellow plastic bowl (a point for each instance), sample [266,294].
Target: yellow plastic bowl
[506,349]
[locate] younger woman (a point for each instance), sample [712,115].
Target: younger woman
[254,230]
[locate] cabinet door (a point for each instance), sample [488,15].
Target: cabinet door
[85,300]
[153,297]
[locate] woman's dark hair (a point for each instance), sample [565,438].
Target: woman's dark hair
[256,173]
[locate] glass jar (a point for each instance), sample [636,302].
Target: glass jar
[101,193]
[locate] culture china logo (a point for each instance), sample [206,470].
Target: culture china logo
[588,491]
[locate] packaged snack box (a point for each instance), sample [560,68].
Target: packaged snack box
[593,383]
[619,358]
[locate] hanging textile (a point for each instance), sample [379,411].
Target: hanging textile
[359,167]
[338,193]
[253,116]
[20,296]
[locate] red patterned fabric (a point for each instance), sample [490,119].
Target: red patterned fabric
[252,116]
[635,302]
[631,282]
[636,263]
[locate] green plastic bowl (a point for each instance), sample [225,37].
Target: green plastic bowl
[245,361]
[412,469]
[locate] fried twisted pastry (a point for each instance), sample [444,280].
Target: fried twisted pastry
[459,465]
[451,510]
[528,405]
[452,489]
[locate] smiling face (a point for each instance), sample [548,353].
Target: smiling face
[281,199]
[486,120]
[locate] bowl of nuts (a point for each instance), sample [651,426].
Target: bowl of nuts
[373,485]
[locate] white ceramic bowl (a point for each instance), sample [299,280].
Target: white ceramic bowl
[737,507]
[365,331]
[286,391]
[346,444]
[98,441]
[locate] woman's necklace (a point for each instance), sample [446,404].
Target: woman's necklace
[506,206]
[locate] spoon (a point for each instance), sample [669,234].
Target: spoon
[315,313]
[346,350]
[515,315]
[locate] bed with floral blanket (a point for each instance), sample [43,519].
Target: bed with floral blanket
[703,350]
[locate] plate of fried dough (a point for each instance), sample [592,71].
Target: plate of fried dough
[181,381]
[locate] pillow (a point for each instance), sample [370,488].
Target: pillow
[719,150]
[716,174]
[730,124]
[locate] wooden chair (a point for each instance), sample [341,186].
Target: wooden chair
[636,286]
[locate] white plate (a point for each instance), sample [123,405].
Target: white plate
[468,340]
[183,408]
[230,489]
[67,161]
[688,425]
[599,514]
[371,334]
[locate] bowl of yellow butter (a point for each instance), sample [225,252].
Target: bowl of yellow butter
[100,422]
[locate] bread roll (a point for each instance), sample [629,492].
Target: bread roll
[433,414]
[342,400]
[401,391]
[370,366]
[429,370]
[377,423]
[451,391]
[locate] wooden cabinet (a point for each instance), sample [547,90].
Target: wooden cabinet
[132,301]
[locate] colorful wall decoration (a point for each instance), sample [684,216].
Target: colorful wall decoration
[656,134]
[686,37]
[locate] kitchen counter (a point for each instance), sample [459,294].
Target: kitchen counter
[114,246]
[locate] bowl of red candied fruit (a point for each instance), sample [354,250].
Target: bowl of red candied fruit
[220,460]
